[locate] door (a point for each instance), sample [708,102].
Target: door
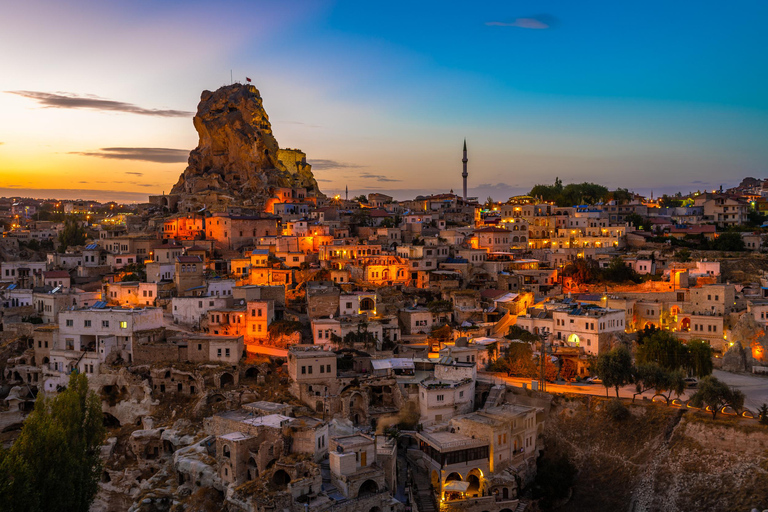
[363,456]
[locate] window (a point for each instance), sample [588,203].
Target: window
[87,323]
[327,367]
[440,398]
[105,323]
[303,370]
[310,370]
[322,369]
[227,352]
[123,324]
[199,346]
[218,352]
[70,322]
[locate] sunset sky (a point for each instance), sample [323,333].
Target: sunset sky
[96,98]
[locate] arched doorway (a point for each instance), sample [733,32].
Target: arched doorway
[685,325]
[253,469]
[453,476]
[226,379]
[475,479]
[368,487]
[251,373]
[281,478]
[367,304]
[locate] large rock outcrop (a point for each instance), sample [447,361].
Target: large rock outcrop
[237,160]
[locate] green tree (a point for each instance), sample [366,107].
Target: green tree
[636,220]
[672,382]
[729,241]
[518,333]
[582,271]
[647,376]
[716,394]
[763,414]
[361,199]
[699,358]
[663,348]
[54,465]
[683,255]
[621,195]
[615,368]
[72,234]
[618,272]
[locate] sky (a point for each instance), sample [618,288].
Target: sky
[97,98]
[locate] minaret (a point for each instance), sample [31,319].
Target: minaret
[464,174]
[346,189]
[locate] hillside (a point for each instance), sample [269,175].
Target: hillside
[658,458]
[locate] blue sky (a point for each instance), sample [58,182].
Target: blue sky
[654,95]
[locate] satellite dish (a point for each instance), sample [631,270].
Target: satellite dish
[340,449]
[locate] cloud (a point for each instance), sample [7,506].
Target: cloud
[158,155]
[324,181]
[378,177]
[699,182]
[299,123]
[324,165]
[135,173]
[538,22]
[89,101]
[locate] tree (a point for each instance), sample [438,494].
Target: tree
[518,333]
[621,195]
[361,199]
[614,368]
[672,382]
[683,255]
[618,272]
[647,377]
[636,220]
[716,394]
[729,241]
[763,414]
[699,358]
[54,465]
[72,234]
[582,271]
[663,348]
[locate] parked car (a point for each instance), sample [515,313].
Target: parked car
[594,380]
[691,382]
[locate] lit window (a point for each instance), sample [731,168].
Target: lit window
[123,324]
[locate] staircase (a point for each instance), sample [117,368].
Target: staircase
[496,396]
[501,328]
[422,491]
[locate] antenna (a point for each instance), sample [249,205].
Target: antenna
[230,77]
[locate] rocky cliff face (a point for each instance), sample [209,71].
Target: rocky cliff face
[237,160]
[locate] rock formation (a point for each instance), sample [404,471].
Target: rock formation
[237,161]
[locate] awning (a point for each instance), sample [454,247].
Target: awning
[456,486]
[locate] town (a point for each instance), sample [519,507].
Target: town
[258,346]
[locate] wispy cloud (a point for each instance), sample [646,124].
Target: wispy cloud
[135,173]
[324,165]
[379,177]
[157,155]
[92,102]
[538,22]
[299,123]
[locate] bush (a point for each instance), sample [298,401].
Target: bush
[616,410]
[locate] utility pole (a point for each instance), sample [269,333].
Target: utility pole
[543,363]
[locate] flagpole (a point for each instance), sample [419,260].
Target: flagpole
[230,78]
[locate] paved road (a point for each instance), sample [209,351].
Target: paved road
[754,387]
[582,389]
[267,351]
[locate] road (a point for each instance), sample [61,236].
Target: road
[267,351]
[754,387]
